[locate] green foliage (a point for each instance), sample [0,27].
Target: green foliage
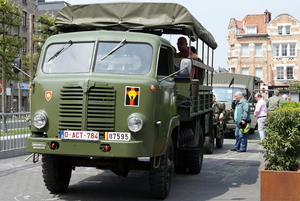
[10,42]
[294,86]
[282,143]
[44,22]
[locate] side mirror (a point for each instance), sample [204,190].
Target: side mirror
[17,65]
[185,67]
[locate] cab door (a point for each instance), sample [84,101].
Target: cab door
[166,100]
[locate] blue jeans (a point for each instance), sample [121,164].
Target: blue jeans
[241,139]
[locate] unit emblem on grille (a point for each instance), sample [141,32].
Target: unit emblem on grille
[48,95]
[132,96]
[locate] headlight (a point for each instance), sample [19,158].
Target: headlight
[135,123]
[39,120]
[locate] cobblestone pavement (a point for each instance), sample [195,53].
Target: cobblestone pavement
[225,175]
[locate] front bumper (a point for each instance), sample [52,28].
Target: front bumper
[86,148]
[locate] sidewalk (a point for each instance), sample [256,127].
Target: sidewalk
[236,175]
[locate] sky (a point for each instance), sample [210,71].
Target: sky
[215,16]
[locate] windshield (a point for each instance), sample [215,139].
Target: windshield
[75,59]
[127,58]
[226,94]
[130,58]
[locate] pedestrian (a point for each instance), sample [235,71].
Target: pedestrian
[219,109]
[245,96]
[242,119]
[284,98]
[273,102]
[261,113]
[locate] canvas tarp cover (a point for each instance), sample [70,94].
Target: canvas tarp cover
[225,78]
[128,15]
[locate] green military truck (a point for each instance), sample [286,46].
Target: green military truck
[106,94]
[224,87]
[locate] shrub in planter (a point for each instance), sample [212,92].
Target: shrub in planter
[282,142]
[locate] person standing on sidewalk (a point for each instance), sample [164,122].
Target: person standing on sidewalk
[261,113]
[242,118]
[273,102]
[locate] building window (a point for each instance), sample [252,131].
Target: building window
[288,29]
[232,70]
[290,72]
[280,30]
[25,46]
[280,74]
[276,50]
[244,50]
[292,50]
[232,50]
[251,30]
[258,49]
[284,30]
[24,19]
[259,73]
[245,71]
[283,50]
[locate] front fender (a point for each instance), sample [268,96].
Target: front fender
[174,122]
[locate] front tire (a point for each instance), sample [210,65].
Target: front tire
[161,175]
[56,172]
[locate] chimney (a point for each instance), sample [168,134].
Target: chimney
[267,16]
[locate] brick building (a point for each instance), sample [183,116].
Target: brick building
[267,48]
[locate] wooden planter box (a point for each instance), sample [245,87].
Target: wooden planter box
[279,185]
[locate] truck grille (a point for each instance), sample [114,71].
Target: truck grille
[93,110]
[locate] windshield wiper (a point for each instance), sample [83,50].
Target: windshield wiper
[62,49]
[115,49]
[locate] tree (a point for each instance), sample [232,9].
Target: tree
[44,22]
[10,43]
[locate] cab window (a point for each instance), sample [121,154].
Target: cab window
[131,58]
[68,58]
[163,67]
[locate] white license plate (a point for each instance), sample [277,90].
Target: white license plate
[117,136]
[79,135]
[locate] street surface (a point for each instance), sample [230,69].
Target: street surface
[225,175]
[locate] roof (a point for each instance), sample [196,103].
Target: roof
[257,20]
[164,18]
[239,24]
[57,5]
[226,78]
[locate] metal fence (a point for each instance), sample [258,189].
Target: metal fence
[13,133]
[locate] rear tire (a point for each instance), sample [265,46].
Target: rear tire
[219,137]
[180,163]
[220,142]
[56,172]
[208,145]
[195,158]
[160,177]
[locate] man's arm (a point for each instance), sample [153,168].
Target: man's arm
[245,107]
